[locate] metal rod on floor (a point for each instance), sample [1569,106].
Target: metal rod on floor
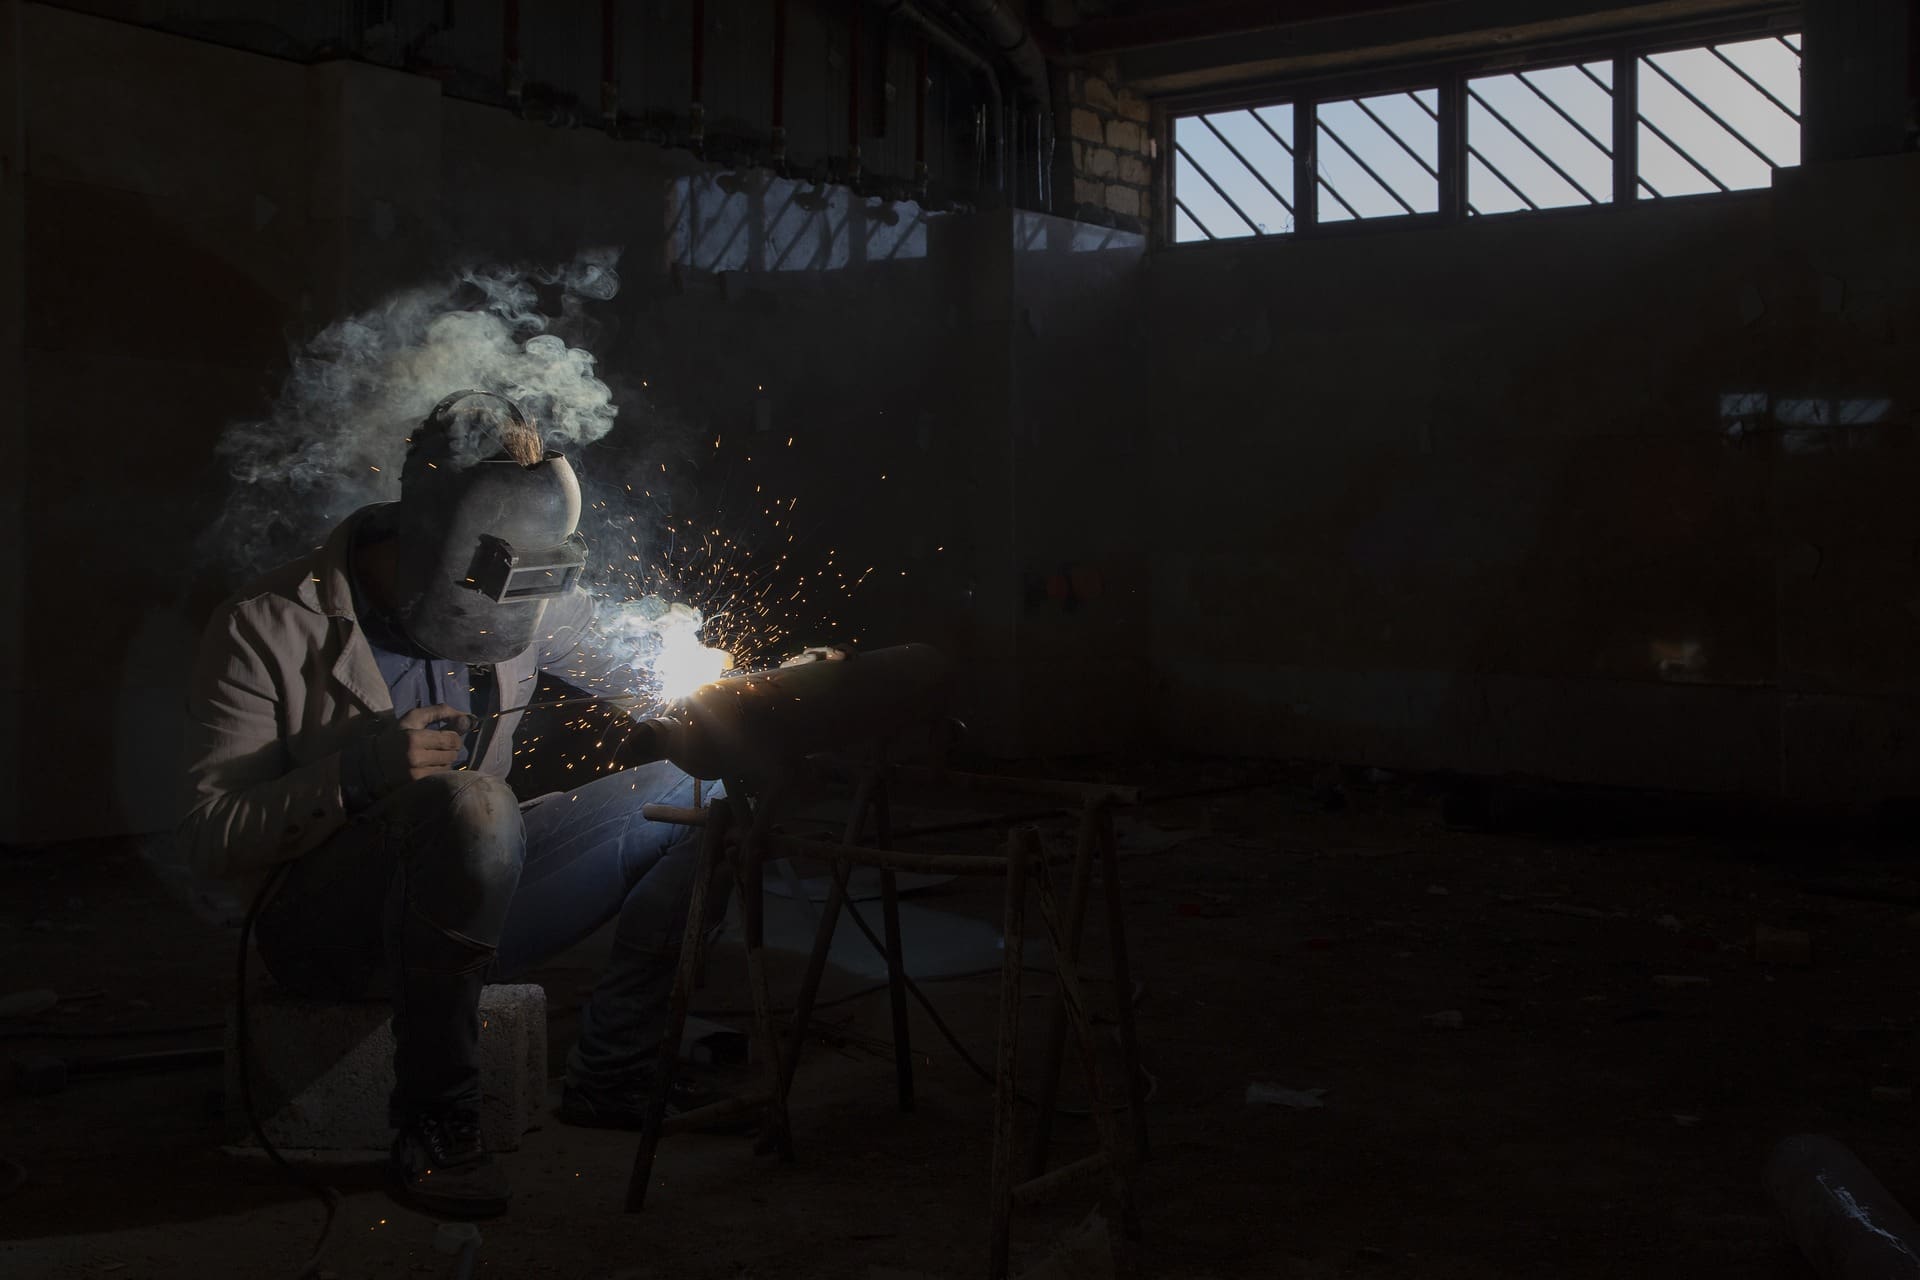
[1846,1224]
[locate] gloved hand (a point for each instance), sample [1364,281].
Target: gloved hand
[406,751]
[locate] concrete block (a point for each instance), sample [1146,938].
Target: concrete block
[1124,135]
[1101,163]
[1085,192]
[1135,171]
[1133,107]
[1098,94]
[1086,125]
[321,1072]
[1124,200]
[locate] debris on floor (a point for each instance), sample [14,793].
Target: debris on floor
[1086,1253]
[1782,946]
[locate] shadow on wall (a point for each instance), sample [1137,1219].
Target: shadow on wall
[752,220]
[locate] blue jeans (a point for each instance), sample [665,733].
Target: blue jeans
[450,882]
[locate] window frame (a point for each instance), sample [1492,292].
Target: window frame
[1450,77]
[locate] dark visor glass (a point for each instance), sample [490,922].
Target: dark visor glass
[505,573]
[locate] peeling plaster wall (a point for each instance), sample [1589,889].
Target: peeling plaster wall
[1467,499]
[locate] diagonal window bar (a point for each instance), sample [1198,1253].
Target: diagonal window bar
[1711,117]
[1563,113]
[1366,168]
[1339,200]
[1708,111]
[1532,146]
[1759,88]
[1248,164]
[1526,130]
[1474,154]
[1372,168]
[1728,114]
[1234,172]
[1503,180]
[1389,130]
[1217,189]
[1274,134]
[1680,151]
[1201,226]
[1415,156]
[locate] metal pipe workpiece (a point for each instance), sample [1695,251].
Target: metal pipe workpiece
[753,725]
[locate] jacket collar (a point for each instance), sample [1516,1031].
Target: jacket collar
[328,589]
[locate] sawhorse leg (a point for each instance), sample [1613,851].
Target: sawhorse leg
[896,965]
[707,868]
[1068,959]
[870,794]
[1022,848]
[749,863]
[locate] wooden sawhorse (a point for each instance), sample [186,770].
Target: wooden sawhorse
[738,839]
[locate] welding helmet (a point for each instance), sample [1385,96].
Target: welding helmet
[486,539]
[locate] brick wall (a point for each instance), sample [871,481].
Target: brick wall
[1111,152]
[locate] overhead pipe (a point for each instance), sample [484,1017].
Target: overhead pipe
[609,64]
[882,108]
[511,71]
[853,92]
[779,131]
[696,108]
[920,118]
[1009,33]
[963,53]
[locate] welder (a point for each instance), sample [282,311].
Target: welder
[350,730]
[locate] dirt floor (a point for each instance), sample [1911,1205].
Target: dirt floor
[1512,1080]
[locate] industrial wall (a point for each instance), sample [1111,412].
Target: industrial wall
[1549,495]
[191,212]
[1554,495]
[843,75]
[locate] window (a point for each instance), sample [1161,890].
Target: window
[1233,173]
[1378,157]
[1637,122]
[1718,117]
[1540,139]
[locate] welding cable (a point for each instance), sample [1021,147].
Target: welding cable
[329,1198]
[940,1023]
[861,993]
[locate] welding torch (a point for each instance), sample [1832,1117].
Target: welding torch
[749,721]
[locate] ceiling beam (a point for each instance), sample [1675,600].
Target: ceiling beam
[1405,34]
[1197,22]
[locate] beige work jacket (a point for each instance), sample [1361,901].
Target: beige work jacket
[284,683]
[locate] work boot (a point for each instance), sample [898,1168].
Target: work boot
[440,1167]
[625,1106]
